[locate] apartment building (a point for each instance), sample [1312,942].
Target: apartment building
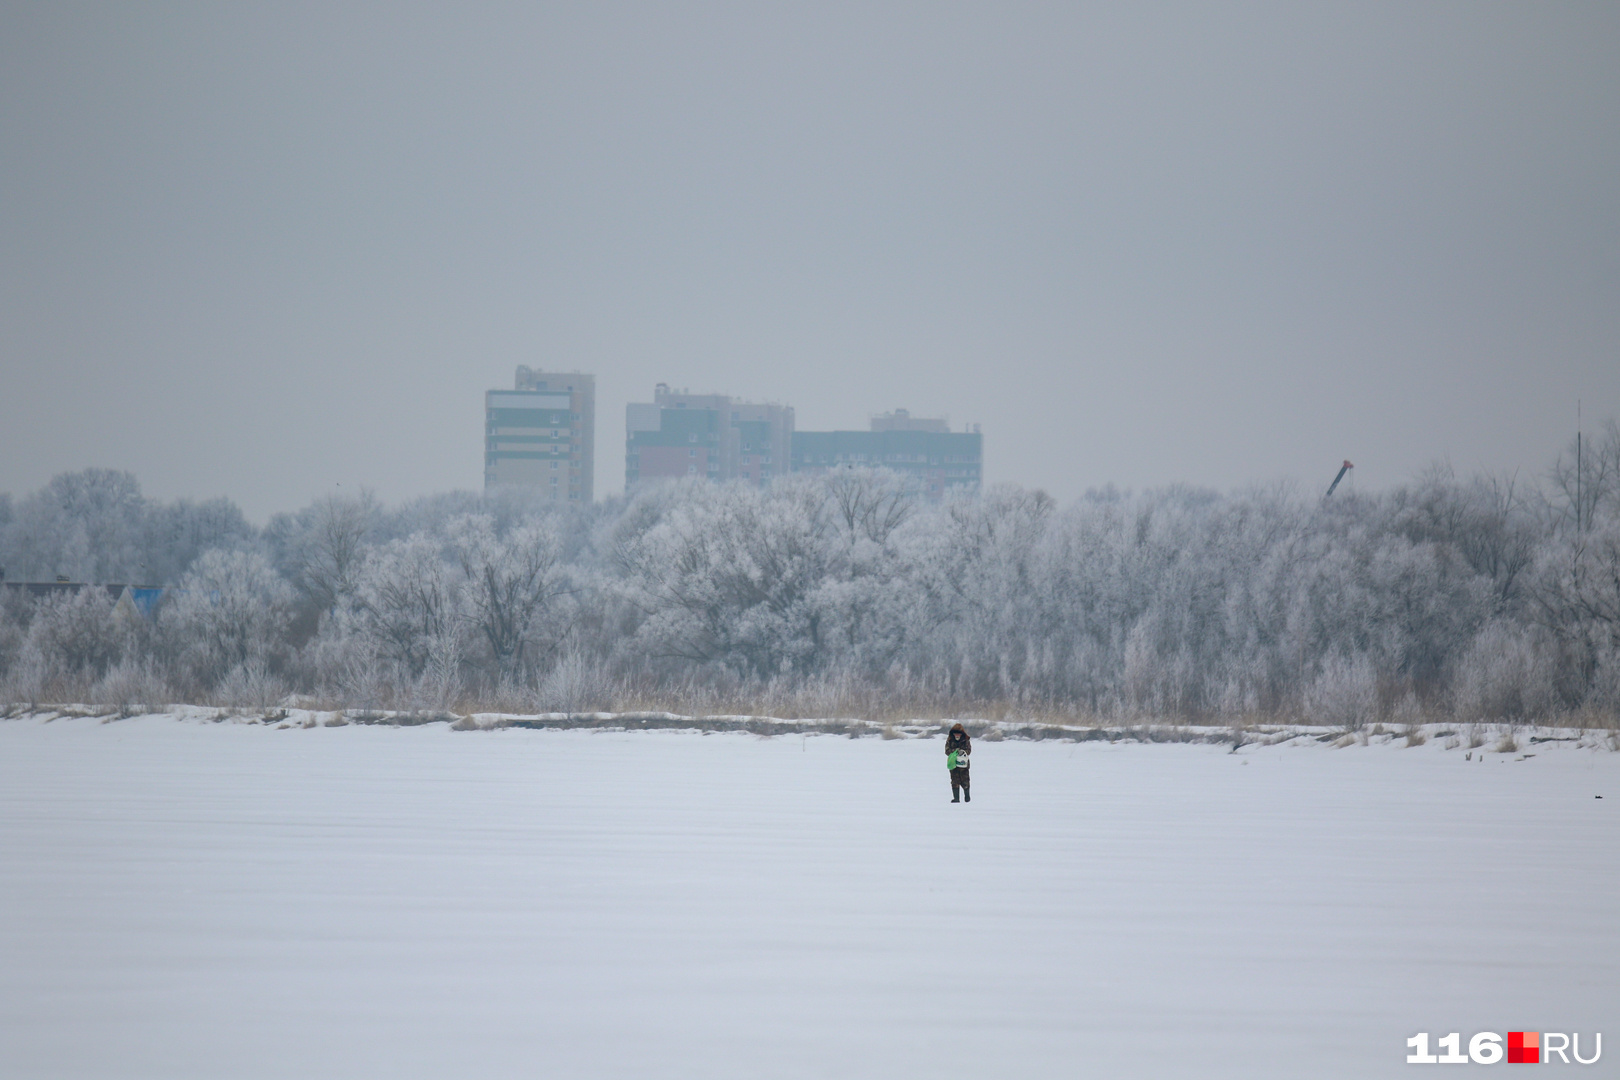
[713,436]
[541,435]
[932,458]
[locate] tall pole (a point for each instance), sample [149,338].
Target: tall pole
[1346,468]
[1577,466]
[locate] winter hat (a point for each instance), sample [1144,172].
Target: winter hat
[958,727]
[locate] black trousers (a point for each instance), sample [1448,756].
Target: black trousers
[959,783]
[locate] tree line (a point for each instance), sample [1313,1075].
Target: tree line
[1470,598]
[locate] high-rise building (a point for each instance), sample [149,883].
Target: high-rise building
[541,435]
[709,435]
[902,420]
[926,452]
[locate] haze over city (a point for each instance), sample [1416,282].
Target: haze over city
[272,254]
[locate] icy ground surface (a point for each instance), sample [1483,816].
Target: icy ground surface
[223,900]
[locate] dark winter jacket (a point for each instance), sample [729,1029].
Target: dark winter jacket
[958,740]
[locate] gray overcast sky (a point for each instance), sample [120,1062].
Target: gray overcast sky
[264,250]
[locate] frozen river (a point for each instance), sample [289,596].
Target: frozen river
[180,899]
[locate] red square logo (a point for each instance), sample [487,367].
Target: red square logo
[1524,1048]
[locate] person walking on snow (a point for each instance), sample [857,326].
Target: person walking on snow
[957,748]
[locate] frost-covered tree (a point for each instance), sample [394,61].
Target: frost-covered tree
[96,526]
[176,534]
[87,526]
[230,612]
[1585,481]
[76,635]
[728,575]
[513,587]
[408,601]
[1576,599]
[1470,596]
[320,548]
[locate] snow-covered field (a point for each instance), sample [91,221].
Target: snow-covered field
[186,899]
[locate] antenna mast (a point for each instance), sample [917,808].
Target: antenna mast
[1342,470]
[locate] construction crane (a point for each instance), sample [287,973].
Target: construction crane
[1346,467]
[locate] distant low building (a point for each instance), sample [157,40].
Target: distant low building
[932,458]
[541,435]
[709,435]
[902,420]
[140,600]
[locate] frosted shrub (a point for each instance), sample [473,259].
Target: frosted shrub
[1239,698]
[1344,694]
[346,666]
[250,685]
[27,681]
[1504,676]
[440,685]
[1408,711]
[131,688]
[576,684]
[1605,691]
[15,609]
